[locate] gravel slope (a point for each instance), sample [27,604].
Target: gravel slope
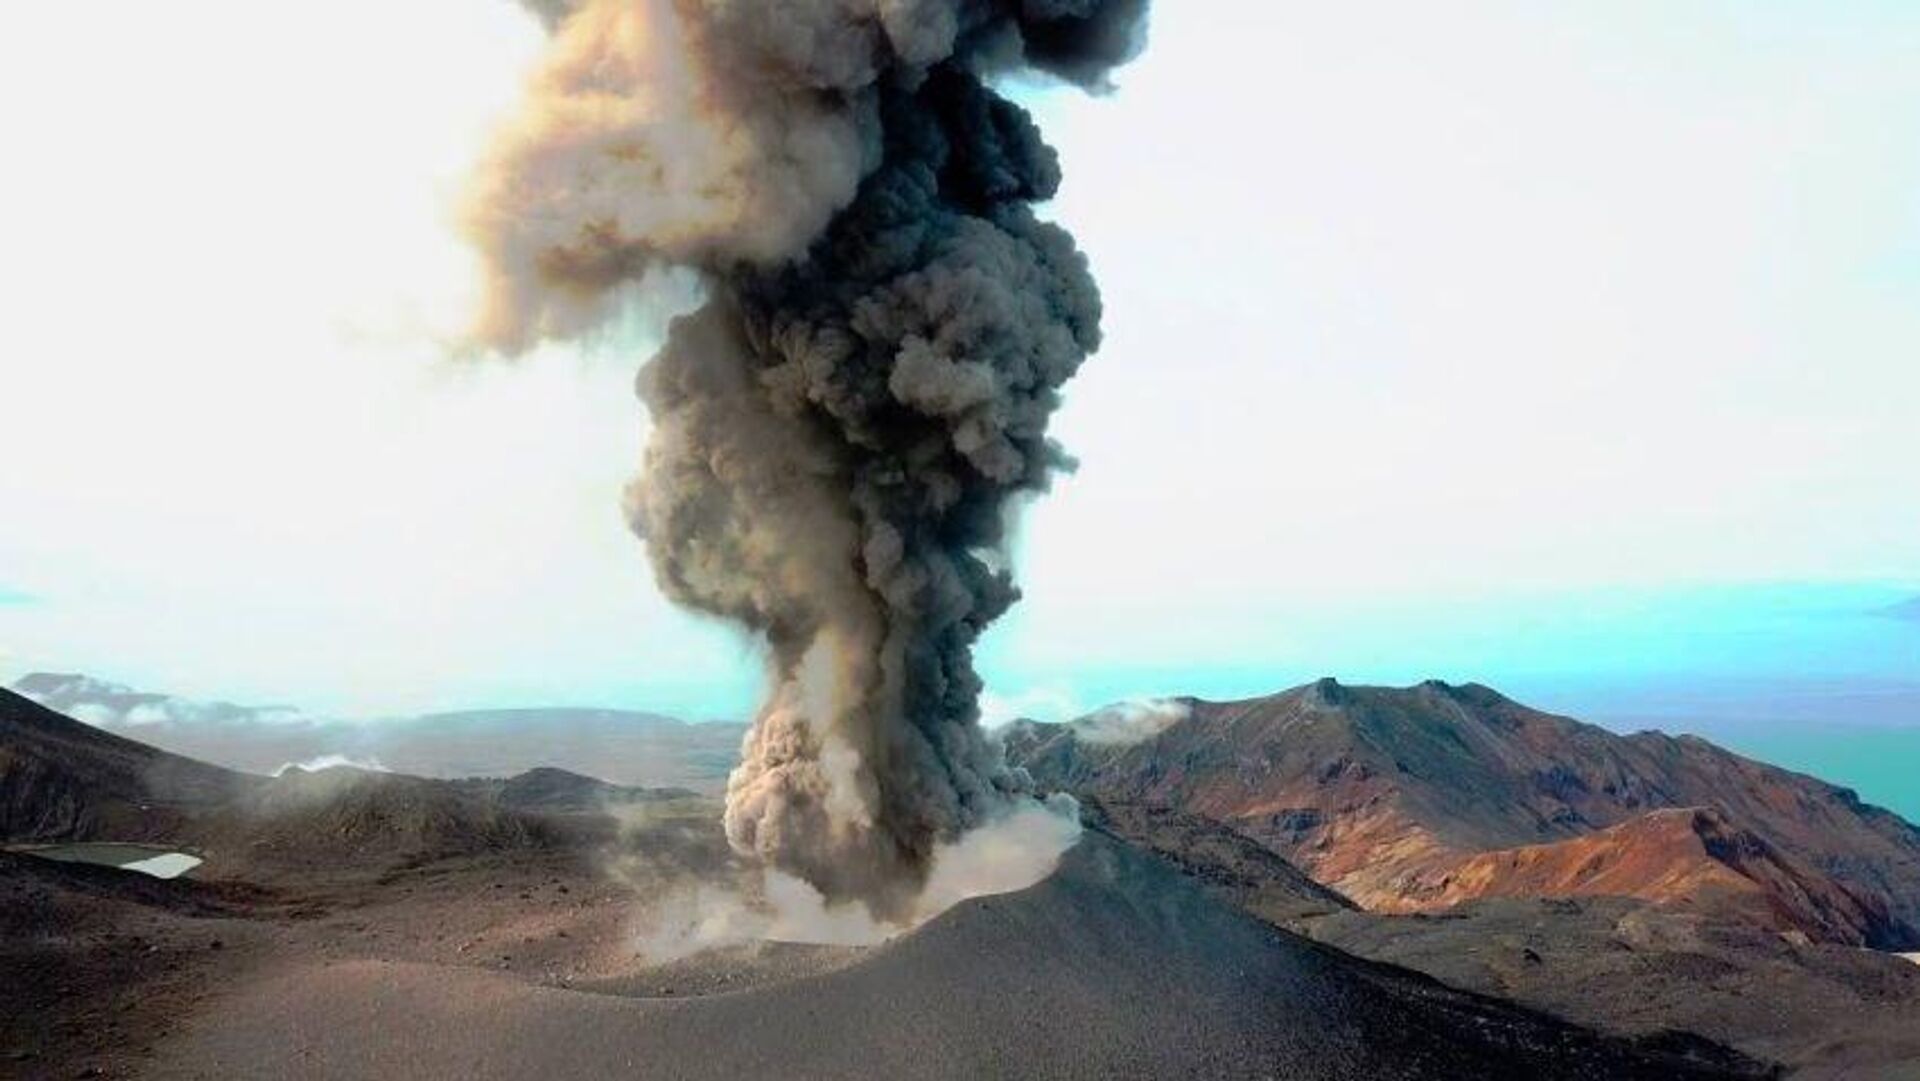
[1114,967]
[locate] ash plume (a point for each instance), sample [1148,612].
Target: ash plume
[840,428]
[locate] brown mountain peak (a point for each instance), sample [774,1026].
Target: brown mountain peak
[1379,791]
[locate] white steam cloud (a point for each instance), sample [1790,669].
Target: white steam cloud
[1012,852]
[1125,723]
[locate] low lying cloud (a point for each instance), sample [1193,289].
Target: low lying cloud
[113,705]
[120,715]
[1131,722]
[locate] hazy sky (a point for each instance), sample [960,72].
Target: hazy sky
[1537,343]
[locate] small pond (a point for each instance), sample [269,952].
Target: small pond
[146,859]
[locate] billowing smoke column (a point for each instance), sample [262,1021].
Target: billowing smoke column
[839,429]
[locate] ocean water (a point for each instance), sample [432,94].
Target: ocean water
[1882,765]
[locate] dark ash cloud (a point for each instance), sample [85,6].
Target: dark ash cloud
[840,430]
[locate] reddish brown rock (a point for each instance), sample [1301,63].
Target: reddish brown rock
[1381,793]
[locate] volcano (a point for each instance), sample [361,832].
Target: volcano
[504,950]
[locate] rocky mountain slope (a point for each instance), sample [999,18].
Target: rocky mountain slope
[1233,867]
[1687,857]
[1389,795]
[61,780]
[1634,968]
[301,823]
[1630,967]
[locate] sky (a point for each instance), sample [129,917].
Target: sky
[1568,348]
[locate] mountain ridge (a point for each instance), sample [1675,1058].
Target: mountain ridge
[1369,789]
[61,779]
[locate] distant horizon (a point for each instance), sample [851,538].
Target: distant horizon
[1874,757]
[1648,699]
[1575,645]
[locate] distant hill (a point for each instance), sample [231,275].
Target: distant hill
[622,746]
[62,780]
[1396,796]
[549,789]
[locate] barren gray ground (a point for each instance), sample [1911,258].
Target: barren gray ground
[1115,967]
